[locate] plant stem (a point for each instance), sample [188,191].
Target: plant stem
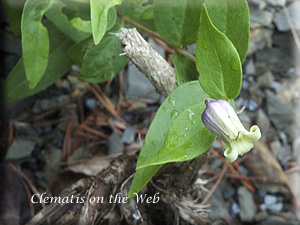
[127,20]
[155,35]
[185,53]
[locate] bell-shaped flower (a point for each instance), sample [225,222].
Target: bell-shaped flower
[220,118]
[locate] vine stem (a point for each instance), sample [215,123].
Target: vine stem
[185,53]
[155,35]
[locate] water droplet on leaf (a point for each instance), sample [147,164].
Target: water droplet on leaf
[174,114]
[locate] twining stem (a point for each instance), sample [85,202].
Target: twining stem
[127,20]
[185,53]
[155,35]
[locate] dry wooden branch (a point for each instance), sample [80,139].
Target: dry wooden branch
[148,61]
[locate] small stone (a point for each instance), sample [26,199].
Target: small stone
[276,220]
[250,67]
[281,20]
[234,209]
[276,147]
[296,149]
[281,114]
[264,124]
[128,135]
[46,104]
[90,103]
[244,117]
[247,205]
[244,170]
[276,86]
[115,144]
[228,192]
[270,9]
[261,67]
[251,105]
[245,84]
[262,192]
[270,199]
[280,3]
[277,207]
[266,80]
[259,3]
[280,61]
[259,40]
[218,209]
[261,216]
[47,130]
[20,148]
[260,18]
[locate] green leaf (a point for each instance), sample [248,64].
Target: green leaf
[82,25]
[76,52]
[184,96]
[60,19]
[184,139]
[103,61]
[15,86]
[177,21]
[185,69]
[143,9]
[13,10]
[111,18]
[217,61]
[86,25]
[99,10]
[35,40]
[232,18]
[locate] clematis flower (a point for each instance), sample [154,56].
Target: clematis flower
[220,118]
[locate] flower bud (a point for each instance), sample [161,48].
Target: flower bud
[220,118]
